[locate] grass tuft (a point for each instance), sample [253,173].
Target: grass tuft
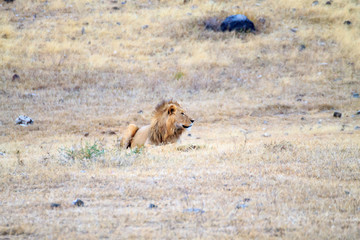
[82,154]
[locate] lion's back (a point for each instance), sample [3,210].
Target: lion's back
[141,136]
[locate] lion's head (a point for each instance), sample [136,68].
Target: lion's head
[169,122]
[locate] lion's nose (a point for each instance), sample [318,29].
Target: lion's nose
[192,120]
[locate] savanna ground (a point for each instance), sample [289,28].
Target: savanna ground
[265,157]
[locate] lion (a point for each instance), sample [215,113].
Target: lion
[168,123]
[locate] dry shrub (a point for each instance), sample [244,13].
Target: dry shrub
[273,109]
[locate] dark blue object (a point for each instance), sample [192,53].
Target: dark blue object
[238,23]
[194,210]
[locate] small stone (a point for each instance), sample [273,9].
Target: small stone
[241,206]
[82,30]
[328,3]
[347,22]
[294,30]
[140,112]
[24,121]
[15,77]
[145,26]
[347,192]
[86,134]
[302,118]
[194,210]
[247,199]
[357,128]
[337,114]
[55,205]
[355,95]
[151,205]
[357,113]
[266,135]
[302,47]
[78,203]
[116,8]
[315,3]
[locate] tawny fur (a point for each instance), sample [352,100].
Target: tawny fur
[168,123]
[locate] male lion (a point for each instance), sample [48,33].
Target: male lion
[168,123]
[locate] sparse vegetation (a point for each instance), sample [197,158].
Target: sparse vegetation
[265,157]
[83,153]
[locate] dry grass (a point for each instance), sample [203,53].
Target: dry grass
[265,158]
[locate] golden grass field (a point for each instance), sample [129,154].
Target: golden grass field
[265,158]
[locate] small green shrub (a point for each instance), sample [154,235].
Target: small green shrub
[178,76]
[82,154]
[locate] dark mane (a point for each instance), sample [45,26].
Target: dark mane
[162,106]
[160,132]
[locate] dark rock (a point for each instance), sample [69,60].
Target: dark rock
[302,118]
[140,111]
[357,113]
[151,205]
[78,203]
[86,134]
[9,1]
[302,47]
[347,192]
[82,30]
[247,199]
[24,121]
[239,23]
[356,95]
[337,114]
[294,30]
[194,210]
[347,22]
[212,23]
[145,26]
[55,205]
[116,8]
[241,206]
[328,3]
[15,77]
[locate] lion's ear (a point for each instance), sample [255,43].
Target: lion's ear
[171,109]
